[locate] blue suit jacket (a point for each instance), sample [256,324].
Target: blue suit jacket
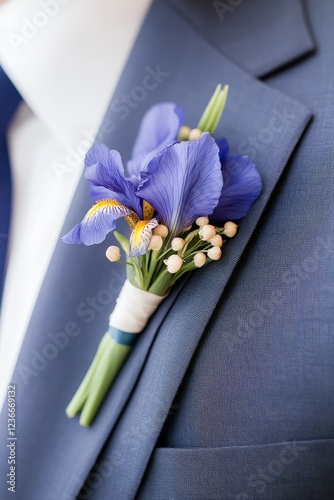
[228,394]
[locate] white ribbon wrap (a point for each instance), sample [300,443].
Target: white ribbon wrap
[133,308]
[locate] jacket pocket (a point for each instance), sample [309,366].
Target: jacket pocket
[288,470]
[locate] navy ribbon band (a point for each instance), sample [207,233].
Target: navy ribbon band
[121,337]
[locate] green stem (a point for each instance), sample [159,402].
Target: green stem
[161,284]
[189,239]
[191,248]
[152,268]
[80,396]
[184,269]
[164,253]
[110,363]
[139,278]
[146,259]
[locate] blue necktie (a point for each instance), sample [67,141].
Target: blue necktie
[9,100]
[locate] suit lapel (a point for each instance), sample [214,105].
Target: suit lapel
[258,121]
[184,68]
[258,35]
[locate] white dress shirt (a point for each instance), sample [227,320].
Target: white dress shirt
[65,57]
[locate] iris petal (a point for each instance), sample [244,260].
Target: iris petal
[158,129]
[97,223]
[242,186]
[223,149]
[183,182]
[104,169]
[141,237]
[100,193]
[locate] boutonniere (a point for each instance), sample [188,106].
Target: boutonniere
[181,198]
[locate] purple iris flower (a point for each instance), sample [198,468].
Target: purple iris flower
[158,128]
[170,182]
[241,185]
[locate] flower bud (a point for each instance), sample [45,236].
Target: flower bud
[214,253]
[199,259]
[156,243]
[206,232]
[184,132]
[230,229]
[161,230]
[177,244]
[195,134]
[202,221]
[216,240]
[173,263]
[113,253]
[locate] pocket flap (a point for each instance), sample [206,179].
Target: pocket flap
[290,470]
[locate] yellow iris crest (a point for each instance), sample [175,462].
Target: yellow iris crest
[141,236]
[138,232]
[103,203]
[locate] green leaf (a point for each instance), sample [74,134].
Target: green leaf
[220,105]
[123,241]
[202,124]
[214,110]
